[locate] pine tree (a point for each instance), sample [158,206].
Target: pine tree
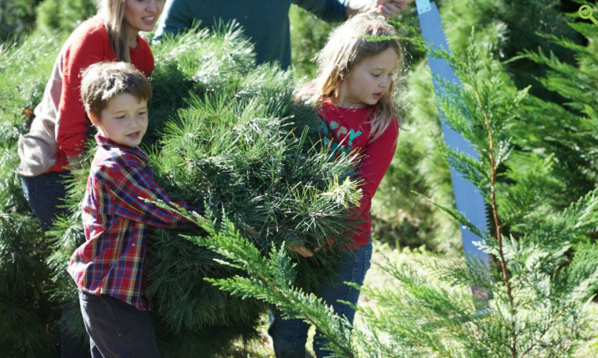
[536,298]
[511,27]
[27,316]
[16,17]
[63,16]
[227,136]
[566,131]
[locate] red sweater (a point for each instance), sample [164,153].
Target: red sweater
[349,130]
[60,127]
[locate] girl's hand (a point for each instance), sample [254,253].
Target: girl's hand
[301,250]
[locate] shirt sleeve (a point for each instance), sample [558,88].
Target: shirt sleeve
[375,163]
[130,185]
[72,129]
[176,18]
[327,10]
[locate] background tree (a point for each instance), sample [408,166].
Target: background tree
[27,316]
[63,15]
[403,218]
[566,131]
[537,306]
[16,17]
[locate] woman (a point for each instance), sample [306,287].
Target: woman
[59,131]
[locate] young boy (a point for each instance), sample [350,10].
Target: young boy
[109,267]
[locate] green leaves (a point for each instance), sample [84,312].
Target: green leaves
[271,278]
[228,137]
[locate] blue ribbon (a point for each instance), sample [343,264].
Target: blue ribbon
[468,199]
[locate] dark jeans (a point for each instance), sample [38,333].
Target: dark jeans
[45,194]
[289,336]
[116,329]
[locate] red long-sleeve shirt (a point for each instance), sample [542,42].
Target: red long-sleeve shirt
[349,130]
[60,126]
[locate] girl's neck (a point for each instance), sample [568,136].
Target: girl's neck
[349,105]
[339,100]
[346,105]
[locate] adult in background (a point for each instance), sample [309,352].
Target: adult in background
[58,133]
[266,22]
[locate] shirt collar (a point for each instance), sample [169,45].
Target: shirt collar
[107,142]
[328,105]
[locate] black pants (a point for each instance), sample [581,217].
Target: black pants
[117,329]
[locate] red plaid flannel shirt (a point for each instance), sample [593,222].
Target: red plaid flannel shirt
[115,219]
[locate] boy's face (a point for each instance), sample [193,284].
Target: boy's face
[124,120]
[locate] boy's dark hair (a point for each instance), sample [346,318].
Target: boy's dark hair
[105,80]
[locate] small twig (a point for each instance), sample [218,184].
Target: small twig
[497,222]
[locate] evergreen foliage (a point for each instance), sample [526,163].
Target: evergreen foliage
[535,303]
[567,131]
[239,147]
[16,17]
[308,36]
[28,317]
[63,15]
[511,27]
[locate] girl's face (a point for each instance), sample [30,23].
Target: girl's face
[368,81]
[142,15]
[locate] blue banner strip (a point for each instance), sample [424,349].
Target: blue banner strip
[468,199]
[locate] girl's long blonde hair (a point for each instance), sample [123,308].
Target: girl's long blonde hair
[348,45]
[112,13]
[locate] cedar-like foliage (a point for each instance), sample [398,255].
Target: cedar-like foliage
[566,131]
[510,26]
[535,303]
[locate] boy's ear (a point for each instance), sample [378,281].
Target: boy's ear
[94,119]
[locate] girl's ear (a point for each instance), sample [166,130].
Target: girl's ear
[94,119]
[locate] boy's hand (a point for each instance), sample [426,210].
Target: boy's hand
[251,231]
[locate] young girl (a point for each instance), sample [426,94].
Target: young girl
[58,132]
[354,92]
